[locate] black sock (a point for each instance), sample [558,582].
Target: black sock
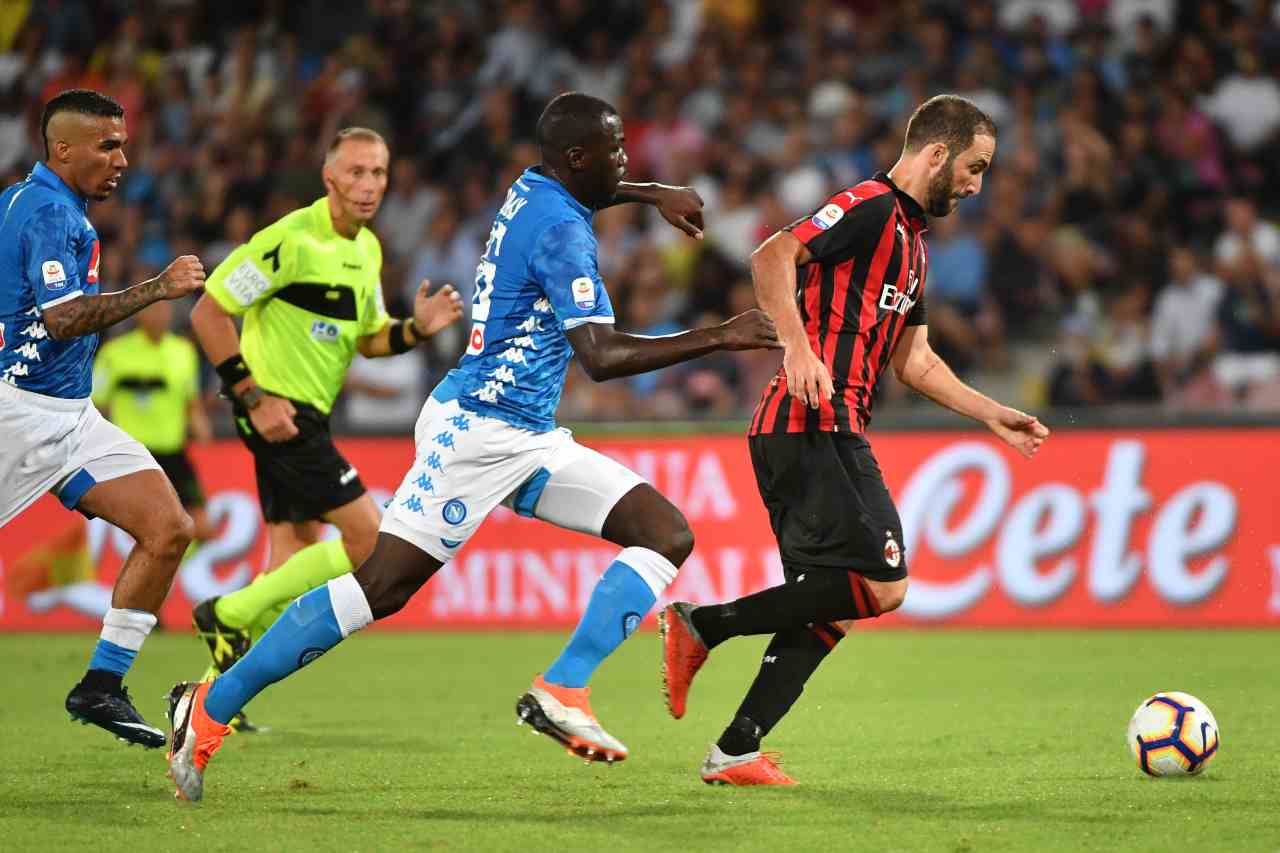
[819,596]
[791,658]
[742,736]
[100,679]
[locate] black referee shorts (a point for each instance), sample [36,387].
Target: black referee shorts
[828,503]
[182,474]
[303,478]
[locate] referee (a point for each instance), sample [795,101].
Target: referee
[148,382]
[309,289]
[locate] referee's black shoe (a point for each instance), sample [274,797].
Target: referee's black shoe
[226,644]
[109,708]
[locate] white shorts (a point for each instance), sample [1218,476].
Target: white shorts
[466,464]
[67,446]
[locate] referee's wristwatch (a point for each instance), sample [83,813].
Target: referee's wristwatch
[252,398]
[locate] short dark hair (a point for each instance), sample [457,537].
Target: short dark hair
[573,118]
[83,101]
[950,119]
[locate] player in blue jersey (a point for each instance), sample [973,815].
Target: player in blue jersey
[487,436]
[52,439]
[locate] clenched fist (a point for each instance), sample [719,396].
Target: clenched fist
[185,275]
[749,330]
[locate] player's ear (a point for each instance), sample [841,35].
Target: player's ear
[575,157]
[937,154]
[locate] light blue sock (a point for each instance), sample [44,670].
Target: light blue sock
[112,658]
[618,604]
[306,630]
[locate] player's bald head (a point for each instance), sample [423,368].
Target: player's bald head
[75,116]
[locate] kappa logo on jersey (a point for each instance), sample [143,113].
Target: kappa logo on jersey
[827,216]
[584,293]
[325,333]
[54,275]
[94,259]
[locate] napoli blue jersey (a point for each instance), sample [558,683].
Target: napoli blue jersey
[48,255]
[536,280]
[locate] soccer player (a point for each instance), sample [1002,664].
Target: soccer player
[310,290]
[846,289]
[148,382]
[52,438]
[487,436]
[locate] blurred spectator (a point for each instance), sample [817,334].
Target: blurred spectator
[1183,328]
[1247,105]
[382,395]
[964,324]
[407,208]
[1248,246]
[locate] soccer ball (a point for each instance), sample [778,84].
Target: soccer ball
[1173,734]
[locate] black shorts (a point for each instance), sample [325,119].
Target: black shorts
[177,467]
[303,478]
[828,503]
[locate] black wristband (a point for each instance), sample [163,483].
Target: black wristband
[397,339]
[232,370]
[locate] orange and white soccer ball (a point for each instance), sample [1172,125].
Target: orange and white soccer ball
[1173,734]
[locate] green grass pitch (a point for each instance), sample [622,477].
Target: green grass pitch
[914,740]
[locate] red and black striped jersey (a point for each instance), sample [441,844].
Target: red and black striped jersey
[863,284]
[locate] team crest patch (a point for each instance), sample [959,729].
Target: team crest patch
[892,551]
[584,293]
[54,275]
[455,511]
[827,216]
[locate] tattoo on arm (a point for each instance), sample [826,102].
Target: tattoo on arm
[85,315]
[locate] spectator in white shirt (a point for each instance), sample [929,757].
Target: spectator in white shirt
[1249,246]
[1184,320]
[1247,105]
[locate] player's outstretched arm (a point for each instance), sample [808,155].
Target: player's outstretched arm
[430,315]
[918,366]
[85,315]
[606,353]
[681,206]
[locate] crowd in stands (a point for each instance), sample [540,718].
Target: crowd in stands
[1122,251]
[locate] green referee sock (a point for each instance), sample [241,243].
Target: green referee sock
[266,619]
[304,571]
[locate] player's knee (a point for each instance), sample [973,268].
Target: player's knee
[891,596]
[674,540]
[387,592]
[169,533]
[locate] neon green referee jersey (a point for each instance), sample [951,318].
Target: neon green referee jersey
[146,387]
[307,295]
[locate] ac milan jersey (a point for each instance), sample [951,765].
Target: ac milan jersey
[863,284]
[48,255]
